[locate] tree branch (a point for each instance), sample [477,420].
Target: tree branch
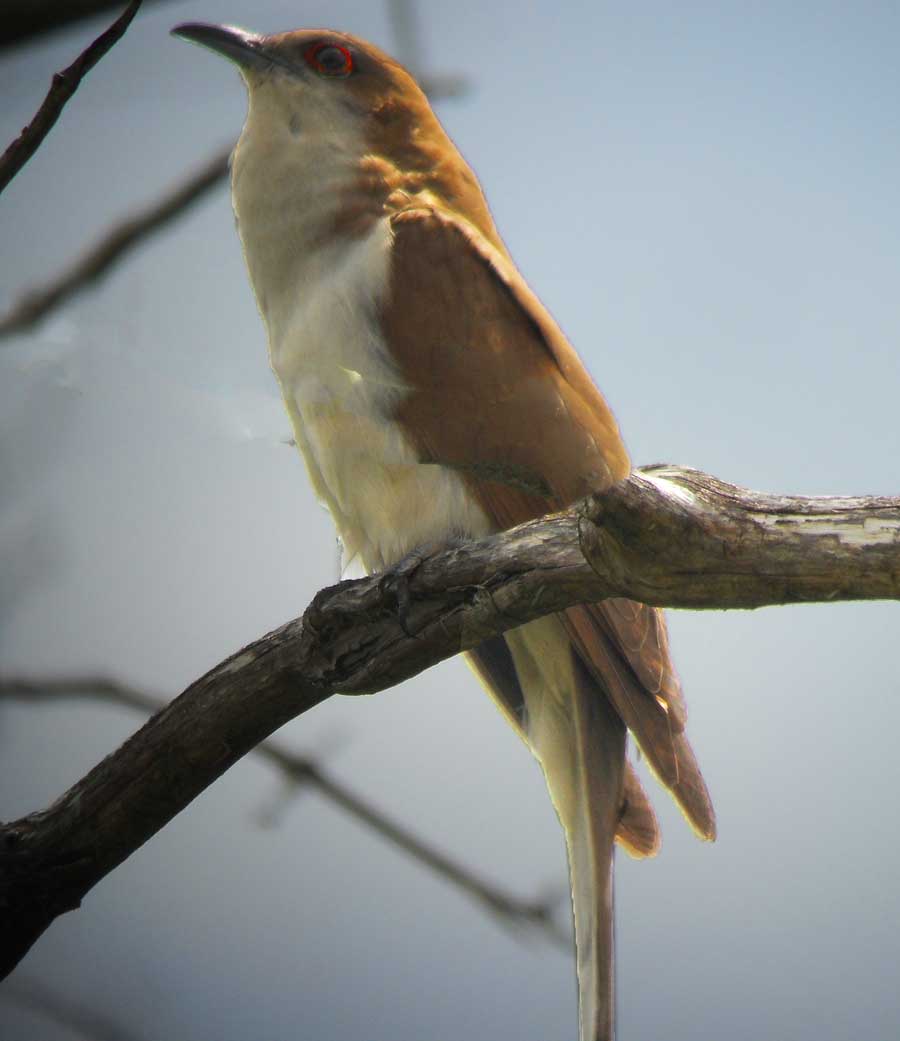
[62,88]
[35,304]
[676,537]
[304,771]
[668,536]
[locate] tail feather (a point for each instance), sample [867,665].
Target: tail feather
[590,833]
[579,741]
[658,731]
[638,831]
[570,684]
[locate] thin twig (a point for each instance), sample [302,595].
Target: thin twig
[35,304]
[301,771]
[62,88]
[508,908]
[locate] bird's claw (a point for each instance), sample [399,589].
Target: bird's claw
[395,583]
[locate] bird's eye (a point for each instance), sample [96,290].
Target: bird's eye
[329,59]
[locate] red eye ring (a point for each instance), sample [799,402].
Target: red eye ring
[329,59]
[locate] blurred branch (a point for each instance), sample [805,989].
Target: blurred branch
[404,24]
[24,19]
[304,771]
[35,304]
[67,1012]
[405,28]
[62,88]
[668,536]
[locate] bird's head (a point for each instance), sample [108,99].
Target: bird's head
[312,73]
[317,90]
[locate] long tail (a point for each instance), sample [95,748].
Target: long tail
[599,765]
[579,741]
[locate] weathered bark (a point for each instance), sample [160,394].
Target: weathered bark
[675,537]
[666,536]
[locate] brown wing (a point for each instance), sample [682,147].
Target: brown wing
[627,652]
[497,392]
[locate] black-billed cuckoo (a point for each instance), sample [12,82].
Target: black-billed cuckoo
[433,397]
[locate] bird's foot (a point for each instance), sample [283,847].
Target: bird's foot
[395,582]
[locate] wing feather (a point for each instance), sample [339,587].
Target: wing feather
[537,435]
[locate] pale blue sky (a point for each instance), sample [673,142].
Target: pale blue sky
[706,197]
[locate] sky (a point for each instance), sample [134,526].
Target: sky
[707,198]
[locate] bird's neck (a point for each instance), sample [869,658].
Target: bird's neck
[308,185]
[288,177]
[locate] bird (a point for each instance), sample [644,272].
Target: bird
[433,399]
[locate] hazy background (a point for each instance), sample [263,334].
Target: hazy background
[707,197]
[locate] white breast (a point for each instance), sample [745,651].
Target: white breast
[340,389]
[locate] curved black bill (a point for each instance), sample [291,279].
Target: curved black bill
[242,47]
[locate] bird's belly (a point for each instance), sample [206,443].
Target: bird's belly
[384,502]
[342,392]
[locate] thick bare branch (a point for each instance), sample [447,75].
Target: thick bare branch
[666,536]
[302,771]
[676,537]
[62,88]
[119,239]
